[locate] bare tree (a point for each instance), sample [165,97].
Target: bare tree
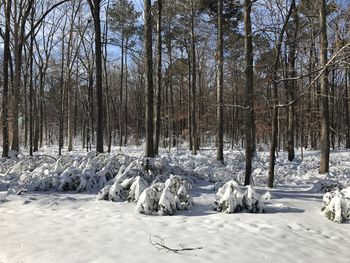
[219,86]
[5,121]
[149,148]
[324,141]
[95,10]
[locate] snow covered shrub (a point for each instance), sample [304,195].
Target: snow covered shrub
[103,193]
[61,164]
[149,199]
[117,193]
[70,179]
[326,185]
[137,187]
[167,197]
[336,205]
[232,198]
[87,181]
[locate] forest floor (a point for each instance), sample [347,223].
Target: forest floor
[74,227]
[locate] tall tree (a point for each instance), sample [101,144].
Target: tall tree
[324,141]
[249,91]
[159,77]
[276,64]
[95,6]
[5,121]
[292,38]
[123,17]
[149,147]
[219,85]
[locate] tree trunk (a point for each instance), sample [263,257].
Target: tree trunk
[219,87]
[126,99]
[274,135]
[324,142]
[159,77]
[6,58]
[149,148]
[346,106]
[291,89]
[193,83]
[95,10]
[249,91]
[121,94]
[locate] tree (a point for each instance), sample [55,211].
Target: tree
[292,39]
[149,147]
[5,122]
[324,141]
[249,91]
[123,17]
[274,134]
[95,11]
[159,77]
[219,85]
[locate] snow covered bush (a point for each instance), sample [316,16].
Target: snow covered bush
[336,205]
[166,198]
[233,198]
[326,185]
[149,199]
[136,189]
[175,196]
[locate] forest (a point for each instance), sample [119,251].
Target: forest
[188,108]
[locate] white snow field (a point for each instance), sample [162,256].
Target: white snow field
[56,226]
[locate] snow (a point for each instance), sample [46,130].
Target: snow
[55,226]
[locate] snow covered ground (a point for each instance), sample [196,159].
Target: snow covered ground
[74,227]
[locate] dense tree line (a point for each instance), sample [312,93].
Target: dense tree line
[249,74]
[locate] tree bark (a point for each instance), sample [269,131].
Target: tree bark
[324,141]
[249,91]
[193,83]
[291,88]
[159,77]
[219,87]
[5,131]
[149,147]
[274,134]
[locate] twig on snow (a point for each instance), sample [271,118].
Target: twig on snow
[158,243]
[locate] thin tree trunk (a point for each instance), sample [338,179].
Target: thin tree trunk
[291,85]
[6,58]
[346,106]
[219,87]
[121,94]
[324,141]
[249,90]
[273,145]
[159,77]
[149,147]
[126,99]
[193,83]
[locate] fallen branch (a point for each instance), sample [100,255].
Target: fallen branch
[159,244]
[45,155]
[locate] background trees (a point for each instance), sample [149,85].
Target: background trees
[265,78]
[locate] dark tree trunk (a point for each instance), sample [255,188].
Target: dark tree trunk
[249,90]
[291,88]
[121,94]
[95,10]
[219,87]
[5,119]
[159,77]
[149,147]
[193,83]
[324,142]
